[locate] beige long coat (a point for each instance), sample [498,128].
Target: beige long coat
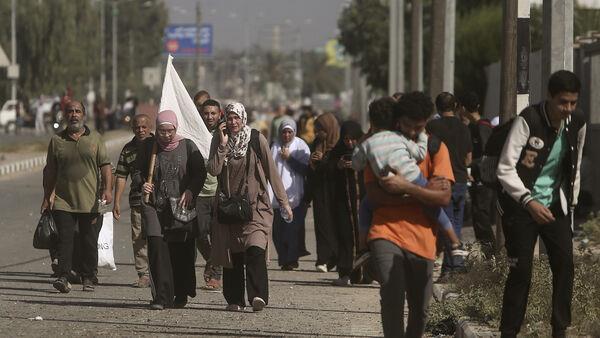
[234,238]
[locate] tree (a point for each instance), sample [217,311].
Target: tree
[364,34]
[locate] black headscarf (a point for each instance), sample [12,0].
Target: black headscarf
[351,129]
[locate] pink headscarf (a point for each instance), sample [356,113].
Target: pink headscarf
[167,117]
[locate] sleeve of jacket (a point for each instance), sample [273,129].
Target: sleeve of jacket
[576,184]
[507,163]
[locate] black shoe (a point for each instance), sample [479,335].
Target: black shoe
[62,285]
[180,302]
[88,285]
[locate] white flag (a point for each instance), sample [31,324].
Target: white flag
[176,98]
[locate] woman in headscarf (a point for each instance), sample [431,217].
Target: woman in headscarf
[291,156]
[242,160]
[321,175]
[178,175]
[349,190]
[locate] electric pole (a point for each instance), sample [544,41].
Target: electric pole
[102,50]
[13,47]
[198,49]
[396,57]
[416,59]
[557,50]
[115,14]
[442,49]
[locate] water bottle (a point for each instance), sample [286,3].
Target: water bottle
[287,218]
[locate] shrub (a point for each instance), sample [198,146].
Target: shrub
[480,291]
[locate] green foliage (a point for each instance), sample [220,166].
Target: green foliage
[480,294]
[318,77]
[591,229]
[58,43]
[364,33]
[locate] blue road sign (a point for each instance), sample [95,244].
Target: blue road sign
[184,40]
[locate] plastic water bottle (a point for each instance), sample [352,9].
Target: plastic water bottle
[287,218]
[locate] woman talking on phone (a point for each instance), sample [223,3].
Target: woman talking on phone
[349,190]
[241,159]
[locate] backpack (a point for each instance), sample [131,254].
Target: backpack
[491,153]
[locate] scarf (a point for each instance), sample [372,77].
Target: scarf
[167,117]
[238,143]
[293,181]
[329,124]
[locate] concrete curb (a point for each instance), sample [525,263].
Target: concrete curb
[464,327]
[40,160]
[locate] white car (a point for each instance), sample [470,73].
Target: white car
[8,115]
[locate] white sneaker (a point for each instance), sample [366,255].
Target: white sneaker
[258,304]
[321,268]
[342,281]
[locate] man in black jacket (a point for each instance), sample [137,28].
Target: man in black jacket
[539,173]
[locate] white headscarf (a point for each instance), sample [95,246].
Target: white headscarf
[238,144]
[293,181]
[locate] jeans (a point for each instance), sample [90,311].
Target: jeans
[521,233]
[455,211]
[482,206]
[402,275]
[87,241]
[204,208]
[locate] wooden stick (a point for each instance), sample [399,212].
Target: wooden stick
[151,170]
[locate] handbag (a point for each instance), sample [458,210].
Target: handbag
[46,234]
[235,209]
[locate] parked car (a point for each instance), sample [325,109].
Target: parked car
[8,116]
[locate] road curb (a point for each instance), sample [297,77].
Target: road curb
[464,327]
[40,160]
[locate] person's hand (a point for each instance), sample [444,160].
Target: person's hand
[316,156]
[438,183]
[344,164]
[539,213]
[395,183]
[116,211]
[107,196]
[223,133]
[47,204]
[288,210]
[186,199]
[284,153]
[147,188]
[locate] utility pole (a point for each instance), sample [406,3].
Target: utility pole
[523,54]
[442,49]
[557,50]
[102,50]
[416,59]
[396,58]
[508,80]
[13,46]
[198,51]
[115,14]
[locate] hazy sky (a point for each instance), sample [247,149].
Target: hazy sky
[240,22]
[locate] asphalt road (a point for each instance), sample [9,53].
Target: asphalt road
[302,303]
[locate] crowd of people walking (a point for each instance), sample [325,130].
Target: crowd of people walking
[386,203]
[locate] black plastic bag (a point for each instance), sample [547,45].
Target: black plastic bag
[46,234]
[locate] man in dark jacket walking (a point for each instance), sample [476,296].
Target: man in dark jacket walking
[539,173]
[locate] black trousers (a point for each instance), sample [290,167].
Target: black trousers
[86,242]
[482,206]
[257,280]
[521,233]
[172,269]
[325,232]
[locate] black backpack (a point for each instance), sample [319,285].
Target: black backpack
[491,153]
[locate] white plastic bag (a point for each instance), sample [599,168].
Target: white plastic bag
[105,243]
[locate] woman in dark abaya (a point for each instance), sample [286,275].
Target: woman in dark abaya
[321,187]
[349,190]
